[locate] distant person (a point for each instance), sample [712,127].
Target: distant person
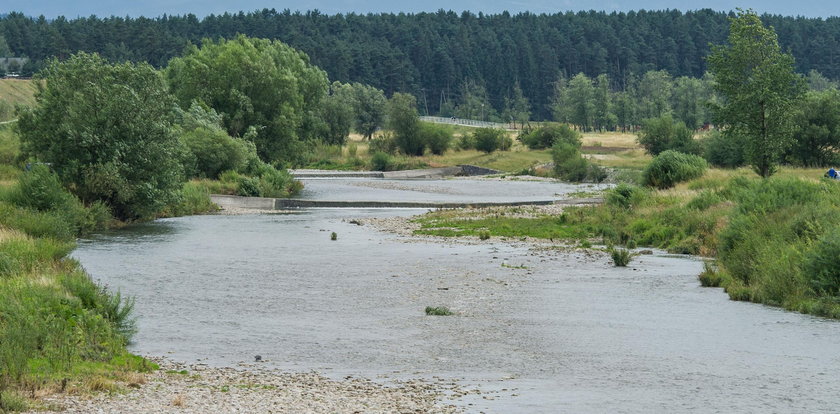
[832,173]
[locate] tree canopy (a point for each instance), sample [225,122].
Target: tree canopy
[106,129]
[254,83]
[759,90]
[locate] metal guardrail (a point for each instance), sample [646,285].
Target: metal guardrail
[464,122]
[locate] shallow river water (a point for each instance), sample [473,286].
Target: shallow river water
[537,330]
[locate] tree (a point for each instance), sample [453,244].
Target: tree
[106,130]
[336,112]
[818,130]
[604,116]
[581,101]
[517,108]
[368,109]
[404,121]
[759,90]
[259,83]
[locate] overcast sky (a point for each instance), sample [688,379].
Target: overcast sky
[151,8]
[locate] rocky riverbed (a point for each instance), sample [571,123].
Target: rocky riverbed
[187,389]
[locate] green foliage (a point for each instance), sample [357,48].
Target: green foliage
[484,235]
[334,236]
[760,90]
[437,137]
[548,136]
[194,199]
[336,113]
[663,133]
[368,107]
[671,167]
[259,83]
[438,311]
[822,264]
[817,138]
[383,143]
[488,139]
[107,131]
[727,151]
[213,151]
[404,121]
[621,257]
[248,187]
[625,196]
[381,161]
[39,190]
[569,165]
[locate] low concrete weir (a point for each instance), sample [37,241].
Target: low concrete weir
[456,171]
[258,203]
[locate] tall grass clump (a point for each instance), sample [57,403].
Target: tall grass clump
[193,199]
[672,167]
[438,138]
[39,195]
[621,257]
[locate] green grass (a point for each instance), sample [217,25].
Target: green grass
[447,224]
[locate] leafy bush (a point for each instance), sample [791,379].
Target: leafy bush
[571,166]
[278,183]
[466,142]
[248,187]
[671,167]
[489,139]
[822,265]
[663,133]
[437,137]
[722,151]
[381,161]
[40,190]
[213,151]
[383,143]
[625,196]
[548,136]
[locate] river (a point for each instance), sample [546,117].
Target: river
[536,329]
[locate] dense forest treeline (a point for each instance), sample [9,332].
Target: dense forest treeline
[432,55]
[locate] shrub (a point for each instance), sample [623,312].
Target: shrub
[437,137]
[334,236]
[548,136]
[248,187]
[489,139]
[381,161]
[672,167]
[625,196]
[571,166]
[484,235]
[194,199]
[213,151]
[722,151]
[277,183]
[662,134]
[466,142]
[822,265]
[384,143]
